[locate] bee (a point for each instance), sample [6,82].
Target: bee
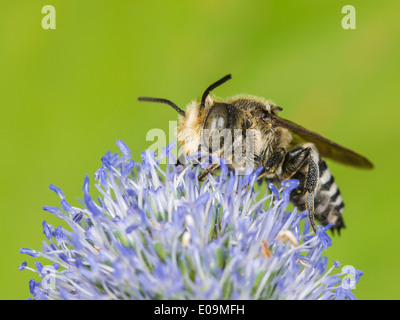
[284,149]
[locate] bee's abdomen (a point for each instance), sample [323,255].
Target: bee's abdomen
[328,201]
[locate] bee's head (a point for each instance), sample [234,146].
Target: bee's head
[199,114]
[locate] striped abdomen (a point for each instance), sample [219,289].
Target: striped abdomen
[328,202]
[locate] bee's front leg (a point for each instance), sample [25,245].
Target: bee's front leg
[273,163]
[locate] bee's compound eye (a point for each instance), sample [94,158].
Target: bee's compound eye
[217,117]
[216,127]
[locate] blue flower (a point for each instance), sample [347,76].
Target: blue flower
[156,232]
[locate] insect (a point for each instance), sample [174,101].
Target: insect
[282,148]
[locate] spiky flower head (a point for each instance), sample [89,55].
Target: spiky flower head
[161,234]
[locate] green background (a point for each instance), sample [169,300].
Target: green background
[67,95]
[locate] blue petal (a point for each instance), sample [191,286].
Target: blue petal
[46,230]
[91,205]
[274,190]
[54,210]
[29,252]
[289,186]
[22,266]
[124,149]
[57,190]
[32,284]
[126,170]
[65,206]
[86,185]
[106,163]
[38,266]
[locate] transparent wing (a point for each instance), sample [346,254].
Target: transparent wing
[326,147]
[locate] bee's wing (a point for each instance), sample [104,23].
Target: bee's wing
[326,147]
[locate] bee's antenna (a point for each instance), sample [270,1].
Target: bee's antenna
[160,100]
[212,87]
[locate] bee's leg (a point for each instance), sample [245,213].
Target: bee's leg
[304,159]
[273,163]
[211,168]
[294,160]
[310,186]
[275,160]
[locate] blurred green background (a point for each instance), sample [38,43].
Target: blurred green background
[68,94]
